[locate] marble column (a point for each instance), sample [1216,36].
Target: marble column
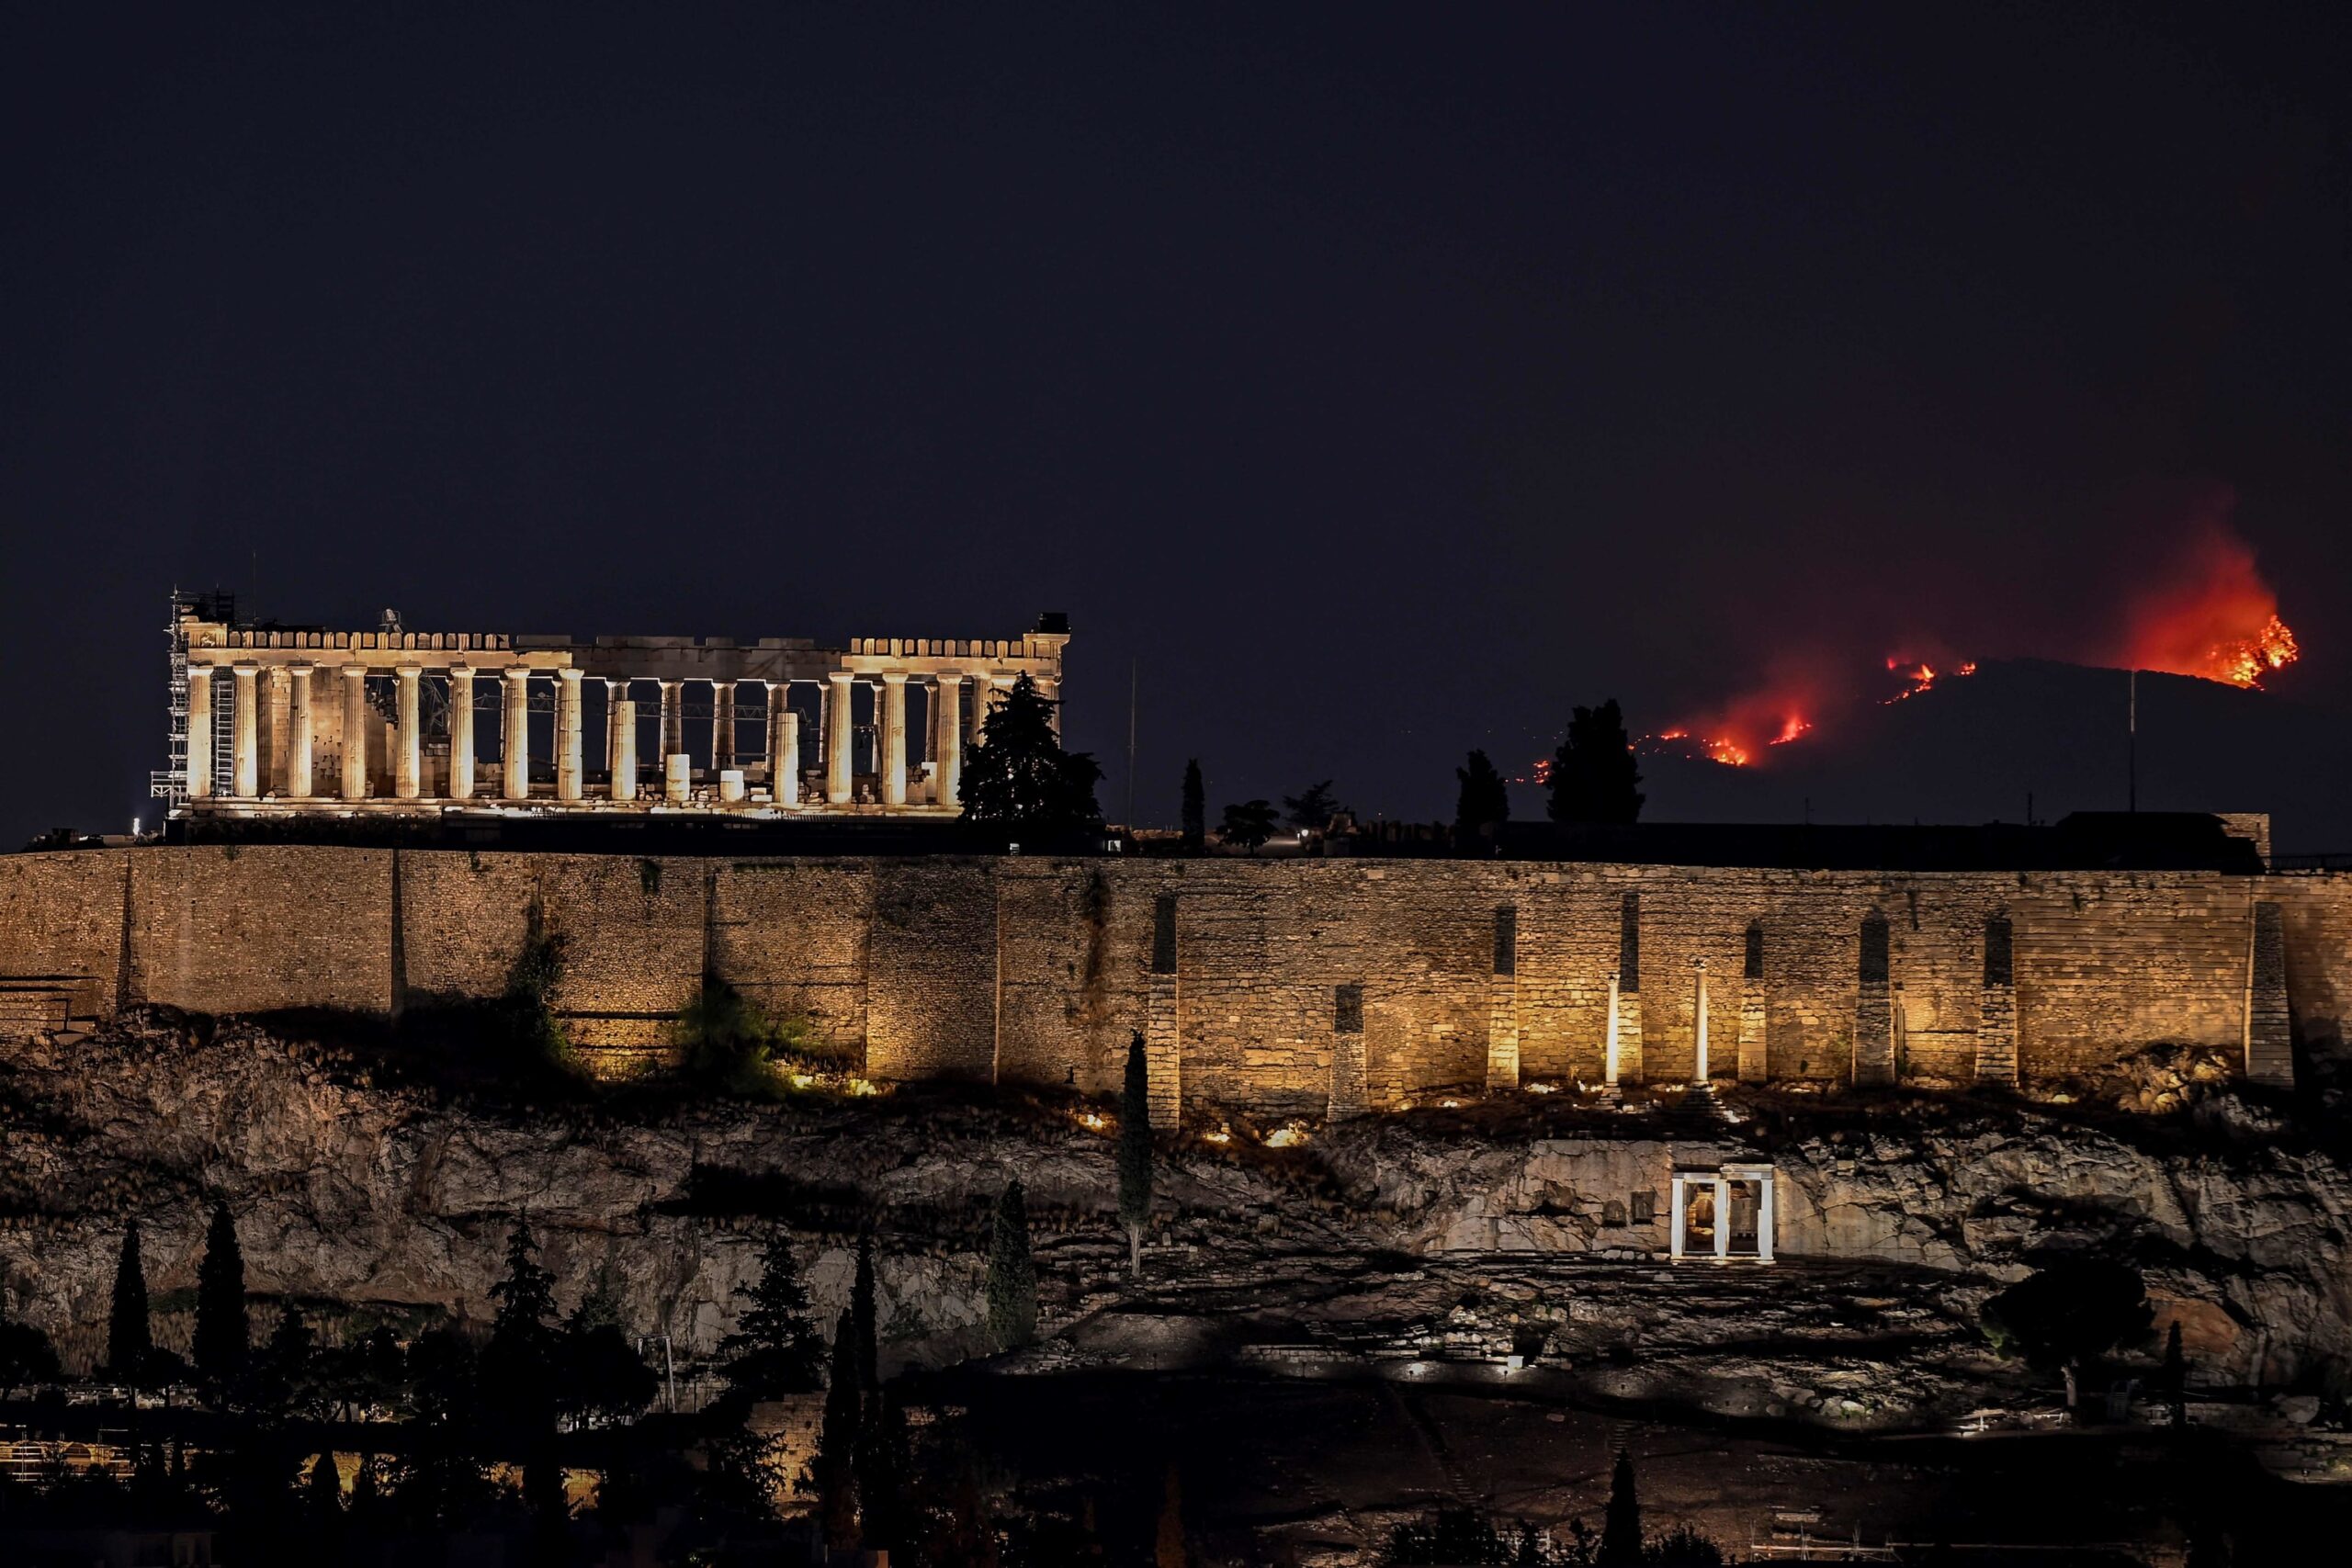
[615,694]
[783,745]
[569,764]
[355,732]
[983,692]
[298,739]
[514,746]
[722,725]
[625,748]
[837,742]
[673,722]
[1764,1217]
[948,698]
[1699,1058]
[278,702]
[894,740]
[1608,1057]
[1675,1220]
[1722,1218]
[199,732]
[461,732]
[408,751]
[245,753]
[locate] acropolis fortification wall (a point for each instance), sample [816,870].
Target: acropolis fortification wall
[1286,986]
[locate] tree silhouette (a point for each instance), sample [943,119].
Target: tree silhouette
[224,1337]
[1483,801]
[1011,1290]
[1018,776]
[2066,1316]
[885,1458]
[284,1377]
[1312,808]
[1197,811]
[1250,824]
[1135,1151]
[326,1490]
[865,1313]
[131,1345]
[26,1356]
[775,1348]
[833,1468]
[1594,778]
[518,1361]
[1621,1523]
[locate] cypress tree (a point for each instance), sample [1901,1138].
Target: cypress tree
[1013,1274]
[518,1361]
[1018,777]
[224,1337]
[1196,809]
[833,1469]
[861,1308]
[1621,1524]
[1593,772]
[1134,1152]
[129,1343]
[2175,1377]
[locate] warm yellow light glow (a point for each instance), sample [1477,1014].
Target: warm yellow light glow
[1222,1136]
[1288,1135]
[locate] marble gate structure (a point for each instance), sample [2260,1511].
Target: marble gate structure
[274,721]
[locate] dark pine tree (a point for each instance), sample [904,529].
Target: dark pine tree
[1134,1152]
[1196,810]
[131,1345]
[224,1337]
[1249,824]
[1019,779]
[284,1378]
[1312,808]
[1483,803]
[1594,778]
[864,1311]
[1011,1290]
[775,1348]
[1620,1524]
[885,1461]
[518,1362]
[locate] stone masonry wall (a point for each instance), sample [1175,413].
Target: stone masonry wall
[1041,970]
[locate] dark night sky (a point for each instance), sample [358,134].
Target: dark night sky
[1384,383]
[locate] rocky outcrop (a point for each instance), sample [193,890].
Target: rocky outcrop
[1509,1226]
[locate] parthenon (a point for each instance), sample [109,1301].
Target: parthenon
[405,722]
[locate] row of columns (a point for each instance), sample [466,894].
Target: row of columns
[948,739]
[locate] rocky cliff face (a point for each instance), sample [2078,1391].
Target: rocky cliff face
[395,1201]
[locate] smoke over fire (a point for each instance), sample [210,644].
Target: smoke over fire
[2203,610]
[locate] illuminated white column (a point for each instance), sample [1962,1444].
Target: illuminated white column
[1722,1218]
[673,721]
[983,694]
[355,732]
[615,694]
[408,746]
[515,744]
[1699,1061]
[625,749]
[678,777]
[1674,1229]
[297,737]
[1764,1216]
[947,697]
[837,733]
[722,725]
[277,713]
[461,732]
[199,732]
[783,745]
[894,740]
[245,752]
[1608,1059]
[568,768]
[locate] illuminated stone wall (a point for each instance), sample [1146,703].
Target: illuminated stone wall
[1040,970]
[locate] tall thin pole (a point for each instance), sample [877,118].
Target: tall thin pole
[1134,683]
[2131,743]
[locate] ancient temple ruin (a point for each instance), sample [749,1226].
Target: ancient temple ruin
[278,721]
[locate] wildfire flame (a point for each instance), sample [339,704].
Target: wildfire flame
[2217,619]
